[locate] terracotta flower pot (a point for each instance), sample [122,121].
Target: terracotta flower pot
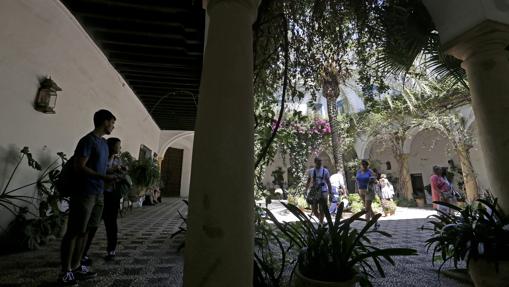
[303,281]
[484,274]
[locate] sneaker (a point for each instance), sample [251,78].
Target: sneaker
[111,255]
[86,261]
[67,279]
[83,273]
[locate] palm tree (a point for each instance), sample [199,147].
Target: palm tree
[331,91]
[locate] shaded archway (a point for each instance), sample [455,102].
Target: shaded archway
[170,142]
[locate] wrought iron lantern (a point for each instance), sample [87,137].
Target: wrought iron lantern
[46,99]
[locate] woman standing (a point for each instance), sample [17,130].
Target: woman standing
[439,189]
[112,197]
[387,193]
[367,195]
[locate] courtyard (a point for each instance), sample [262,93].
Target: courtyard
[226,103]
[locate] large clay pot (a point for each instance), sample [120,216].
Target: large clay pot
[302,281]
[484,274]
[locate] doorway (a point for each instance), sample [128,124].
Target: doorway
[417,185]
[171,172]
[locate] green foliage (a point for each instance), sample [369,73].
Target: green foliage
[298,138]
[389,206]
[405,202]
[299,201]
[479,230]
[356,204]
[144,172]
[182,228]
[278,176]
[336,251]
[31,232]
[23,233]
[8,199]
[273,253]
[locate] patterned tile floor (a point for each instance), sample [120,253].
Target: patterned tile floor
[148,257]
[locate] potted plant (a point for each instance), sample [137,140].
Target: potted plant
[477,234]
[335,254]
[389,207]
[144,174]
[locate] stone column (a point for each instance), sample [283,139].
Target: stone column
[219,242]
[485,54]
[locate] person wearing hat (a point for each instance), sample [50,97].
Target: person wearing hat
[319,181]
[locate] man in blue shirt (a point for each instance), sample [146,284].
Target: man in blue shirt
[85,209]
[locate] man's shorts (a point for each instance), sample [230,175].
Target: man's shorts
[85,211]
[366,194]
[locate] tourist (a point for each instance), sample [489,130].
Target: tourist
[112,197]
[86,203]
[338,191]
[318,186]
[362,178]
[439,189]
[337,181]
[386,192]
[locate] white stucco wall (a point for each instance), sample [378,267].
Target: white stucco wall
[42,38]
[181,140]
[428,149]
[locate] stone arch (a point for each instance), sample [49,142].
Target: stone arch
[363,147]
[172,140]
[411,134]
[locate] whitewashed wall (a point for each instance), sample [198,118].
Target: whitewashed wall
[42,38]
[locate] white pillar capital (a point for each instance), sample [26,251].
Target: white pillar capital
[488,40]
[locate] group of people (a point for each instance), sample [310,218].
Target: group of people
[369,183]
[97,170]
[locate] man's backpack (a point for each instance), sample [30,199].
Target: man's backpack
[66,178]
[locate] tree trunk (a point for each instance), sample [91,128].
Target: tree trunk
[405,181]
[469,177]
[332,112]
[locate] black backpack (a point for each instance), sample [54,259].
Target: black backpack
[66,178]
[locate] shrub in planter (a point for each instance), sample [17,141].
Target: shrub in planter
[335,251]
[389,207]
[144,172]
[477,234]
[356,204]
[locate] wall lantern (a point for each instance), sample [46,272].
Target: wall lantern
[47,96]
[388,165]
